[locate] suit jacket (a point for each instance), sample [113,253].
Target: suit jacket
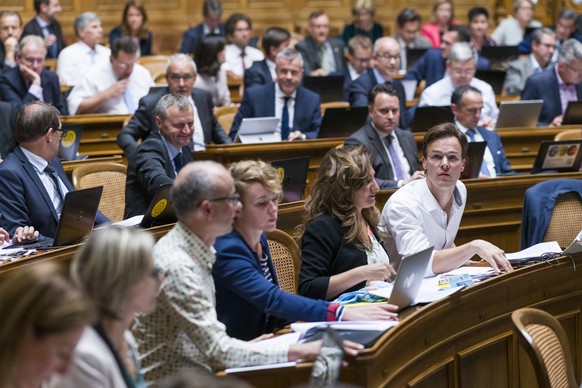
[347,85]
[545,86]
[25,201]
[524,46]
[311,59]
[2,57]
[33,28]
[260,102]
[13,89]
[248,304]
[518,72]
[143,121]
[368,137]
[7,125]
[494,144]
[193,35]
[151,168]
[258,74]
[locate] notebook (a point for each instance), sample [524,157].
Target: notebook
[573,114]
[69,145]
[426,117]
[519,114]
[329,88]
[160,210]
[342,122]
[495,78]
[258,130]
[560,156]
[475,153]
[293,174]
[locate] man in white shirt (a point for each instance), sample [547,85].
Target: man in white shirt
[10,31]
[461,67]
[76,59]
[427,212]
[238,55]
[113,87]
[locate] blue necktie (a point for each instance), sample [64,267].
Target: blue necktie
[52,173]
[178,163]
[52,49]
[285,120]
[484,170]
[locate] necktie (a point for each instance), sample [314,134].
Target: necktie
[52,49]
[484,170]
[285,120]
[395,160]
[178,163]
[128,101]
[92,54]
[58,200]
[242,59]
[324,60]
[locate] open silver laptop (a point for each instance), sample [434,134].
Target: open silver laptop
[258,130]
[518,114]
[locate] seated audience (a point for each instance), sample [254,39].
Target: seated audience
[543,45]
[43,317]
[427,212]
[511,30]
[248,298]
[180,76]
[116,271]
[478,24]
[363,24]
[322,55]
[162,155]
[10,31]
[443,15]
[46,26]
[212,12]
[461,68]
[466,104]
[76,59]
[263,72]
[393,150]
[239,56]
[30,80]
[7,125]
[134,23]
[183,331]
[359,58]
[33,183]
[297,107]
[113,87]
[558,85]
[340,246]
[209,56]
[407,29]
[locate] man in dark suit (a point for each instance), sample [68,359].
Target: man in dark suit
[162,155]
[359,59]
[30,81]
[181,76]
[274,41]
[297,107]
[466,104]
[555,92]
[394,151]
[46,25]
[212,11]
[10,31]
[7,124]
[32,180]
[321,56]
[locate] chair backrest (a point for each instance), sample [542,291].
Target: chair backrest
[156,64]
[285,255]
[112,177]
[225,116]
[333,104]
[565,222]
[569,134]
[547,345]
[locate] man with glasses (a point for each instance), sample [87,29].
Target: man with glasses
[33,183]
[181,76]
[559,85]
[359,60]
[238,55]
[29,80]
[112,87]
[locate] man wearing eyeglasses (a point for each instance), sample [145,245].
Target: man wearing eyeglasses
[359,60]
[33,183]
[29,80]
[181,76]
[112,87]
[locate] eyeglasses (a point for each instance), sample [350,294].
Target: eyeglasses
[61,132]
[233,199]
[463,71]
[32,61]
[388,56]
[156,272]
[178,77]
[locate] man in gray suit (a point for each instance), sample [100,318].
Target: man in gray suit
[407,34]
[543,45]
[394,151]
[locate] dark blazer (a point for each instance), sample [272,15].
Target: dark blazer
[494,144]
[151,168]
[545,86]
[143,121]
[248,304]
[145,44]
[260,102]
[13,89]
[347,85]
[524,47]
[310,54]
[33,28]
[258,74]
[192,35]
[25,201]
[7,125]
[2,57]
[350,31]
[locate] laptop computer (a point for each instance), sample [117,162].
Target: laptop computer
[519,114]
[293,173]
[498,55]
[573,114]
[413,55]
[329,88]
[258,130]
[160,210]
[495,78]
[560,156]
[342,122]
[475,153]
[426,117]
[69,145]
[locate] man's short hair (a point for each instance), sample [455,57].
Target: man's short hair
[315,15]
[82,20]
[211,7]
[274,37]
[30,39]
[380,41]
[289,54]
[476,11]
[172,99]
[461,52]
[233,19]
[127,44]
[198,184]
[407,15]
[38,3]
[463,32]
[180,57]
[457,97]
[34,121]
[441,131]
[568,14]
[539,34]
[11,13]
[569,51]
[517,4]
[381,88]
[359,41]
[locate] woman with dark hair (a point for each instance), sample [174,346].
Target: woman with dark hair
[134,23]
[478,24]
[209,57]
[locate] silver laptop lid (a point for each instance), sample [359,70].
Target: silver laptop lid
[258,130]
[409,278]
[519,114]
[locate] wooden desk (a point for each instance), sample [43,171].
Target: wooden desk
[100,132]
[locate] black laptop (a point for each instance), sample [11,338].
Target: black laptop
[573,114]
[329,88]
[293,174]
[160,210]
[475,153]
[426,117]
[342,122]
[558,156]
[413,55]
[498,55]
[495,78]
[69,145]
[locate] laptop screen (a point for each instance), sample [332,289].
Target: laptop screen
[559,156]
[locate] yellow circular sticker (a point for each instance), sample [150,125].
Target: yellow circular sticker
[159,208]
[69,139]
[281,171]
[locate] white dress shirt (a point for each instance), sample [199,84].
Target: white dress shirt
[279,102]
[198,141]
[272,69]
[76,59]
[487,156]
[233,58]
